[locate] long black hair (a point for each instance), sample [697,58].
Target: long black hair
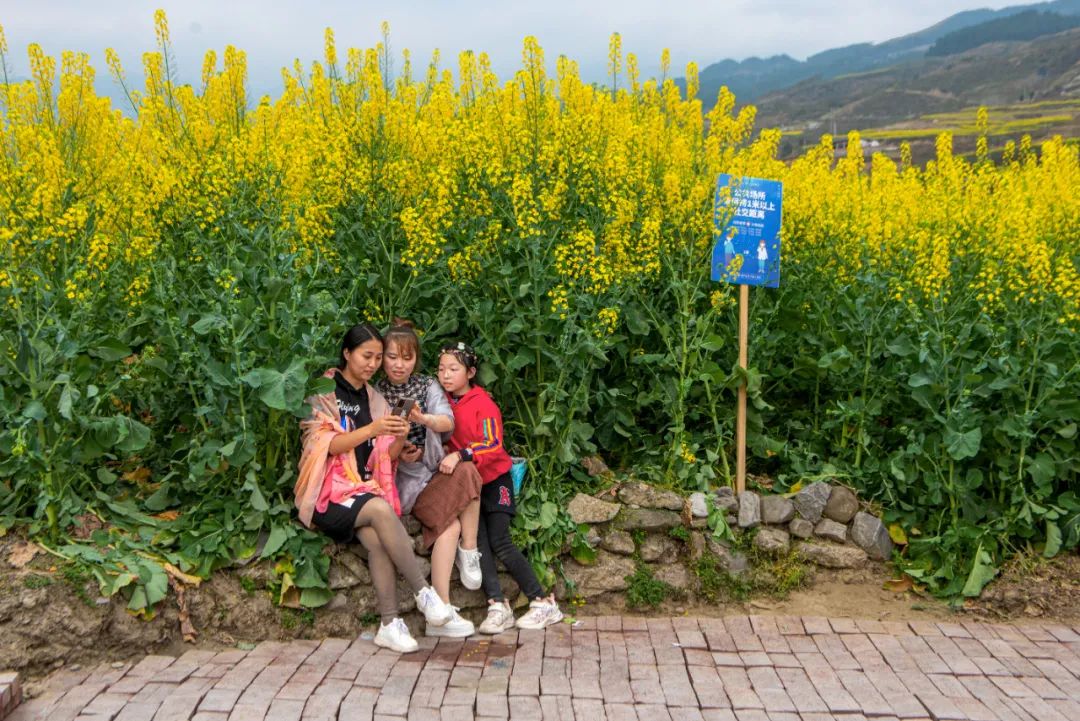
[356,336]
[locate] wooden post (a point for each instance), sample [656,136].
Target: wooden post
[740,413]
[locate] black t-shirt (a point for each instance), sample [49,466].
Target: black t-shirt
[353,402]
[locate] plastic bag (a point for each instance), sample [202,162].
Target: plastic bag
[517,473]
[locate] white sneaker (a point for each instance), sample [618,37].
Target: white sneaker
[396,637]
[541,613]
[435,610]
[456,627]
[468,566]
[499,618]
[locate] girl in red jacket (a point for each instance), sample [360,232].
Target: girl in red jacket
[478,439]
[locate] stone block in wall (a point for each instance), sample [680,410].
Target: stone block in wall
[831,555]
[674,574]
[810,501]
[736,563]
[776,510]
[801,528]
[657,548]
[619,542]
[749,509]
[870,534]
[347,570]
[772,541]
[699,508]
[842,505]
[586,509]
[645,496]
[717,548]
[646,519]
[607,574]
[831,530]
[465,599]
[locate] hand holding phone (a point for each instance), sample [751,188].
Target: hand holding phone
[391,425]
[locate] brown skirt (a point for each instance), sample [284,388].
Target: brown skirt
[444,498]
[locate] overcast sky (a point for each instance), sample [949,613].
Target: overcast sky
[274,32]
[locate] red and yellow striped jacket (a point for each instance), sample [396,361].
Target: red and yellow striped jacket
[478,429]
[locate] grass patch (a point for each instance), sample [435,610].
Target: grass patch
[717,584]
[778,576]
[680,533]
[766,575]
[248,585]
[77,578]
[37,581]
[292,618]
[644,590]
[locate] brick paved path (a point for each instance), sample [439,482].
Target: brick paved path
[740,668]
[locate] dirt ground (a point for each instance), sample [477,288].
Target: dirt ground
[855,593]
[1034,588]
[50,619]
[1029,591]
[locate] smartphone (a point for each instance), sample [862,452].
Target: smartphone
[402,407]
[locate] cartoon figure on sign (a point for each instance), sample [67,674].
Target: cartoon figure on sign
[729,246]
[762,256]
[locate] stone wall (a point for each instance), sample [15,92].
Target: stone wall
[823,524]
[632,527]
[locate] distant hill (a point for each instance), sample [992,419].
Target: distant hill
[1045,69]
[1027,25]
[754,77]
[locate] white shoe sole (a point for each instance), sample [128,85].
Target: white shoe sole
[550,622]
[386,644]
[508,626]
[444,632]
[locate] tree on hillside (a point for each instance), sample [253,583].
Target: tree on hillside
[1022,26]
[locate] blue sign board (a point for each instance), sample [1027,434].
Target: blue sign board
[746,228]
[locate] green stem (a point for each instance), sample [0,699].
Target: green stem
[240,386]
[862,410]
[719,434]
[1022,456]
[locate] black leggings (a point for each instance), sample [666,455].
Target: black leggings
[493,539]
